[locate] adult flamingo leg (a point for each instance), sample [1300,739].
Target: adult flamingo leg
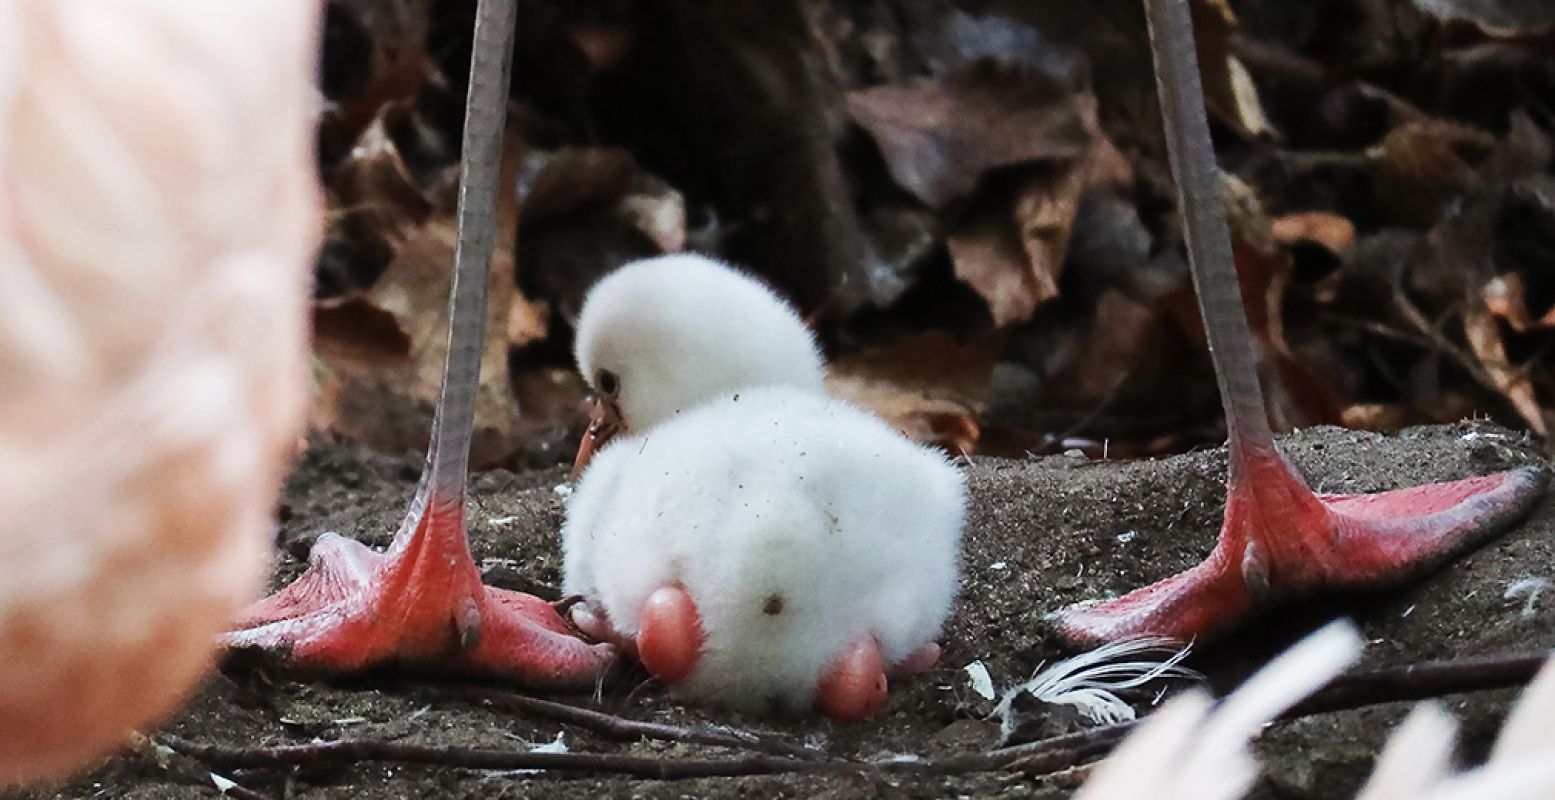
[421,602]
[1279,538]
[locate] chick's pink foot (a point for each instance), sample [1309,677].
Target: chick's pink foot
[670,639]
[855,685]
[422,605]
[1279,539]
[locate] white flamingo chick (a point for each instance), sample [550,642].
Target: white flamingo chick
[158,214]
[760,544]
[665,334]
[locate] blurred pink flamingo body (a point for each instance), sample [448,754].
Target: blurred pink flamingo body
[158,214]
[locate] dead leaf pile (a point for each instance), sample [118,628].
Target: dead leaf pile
[972,208]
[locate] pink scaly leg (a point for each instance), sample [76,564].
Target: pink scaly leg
[1281,540]
[422,603]
[1278,537]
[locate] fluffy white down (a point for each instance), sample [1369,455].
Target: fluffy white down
[680,329]
[774,493]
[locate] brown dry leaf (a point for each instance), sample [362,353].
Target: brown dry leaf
[375,183]
[936,421]
[603,45]
[1381,417]
[388,406]
[1229,93]
[1514,383]
[586,211]
[1505,298]
[1109,354]
[355,329]
[1012,245]
[1300,391]
[374,205]
[386,402]
[932,360]
[1011,249]
[527,321]
[931,387]
[568,180]
[940,135]
[1022,144]
[1426,154]
[380,61]
[658,210]
[1325,228]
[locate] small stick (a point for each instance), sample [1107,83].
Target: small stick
[240,793]
[1044,757]
[187,770]
[620,728]
[1419,681]
[349,752]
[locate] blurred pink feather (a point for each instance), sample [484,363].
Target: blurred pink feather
[158,217]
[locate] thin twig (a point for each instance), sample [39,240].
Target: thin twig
[240,793]
[1045,757]
[619,728]
[1419,681]
[1379,329]
[1468,363]
[1042,757]
[188,770]
[350,752]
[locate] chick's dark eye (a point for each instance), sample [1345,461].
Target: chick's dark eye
[607,382]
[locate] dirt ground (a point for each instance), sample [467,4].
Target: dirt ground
[1043,533]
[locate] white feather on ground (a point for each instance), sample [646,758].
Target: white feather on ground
[1089,682]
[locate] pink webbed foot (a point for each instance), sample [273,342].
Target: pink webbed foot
[420,605]
[1279,540]
[856,685]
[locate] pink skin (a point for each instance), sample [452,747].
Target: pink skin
[1278,538]
[855,685]
[422,603]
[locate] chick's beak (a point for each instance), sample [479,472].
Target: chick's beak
[604,422]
